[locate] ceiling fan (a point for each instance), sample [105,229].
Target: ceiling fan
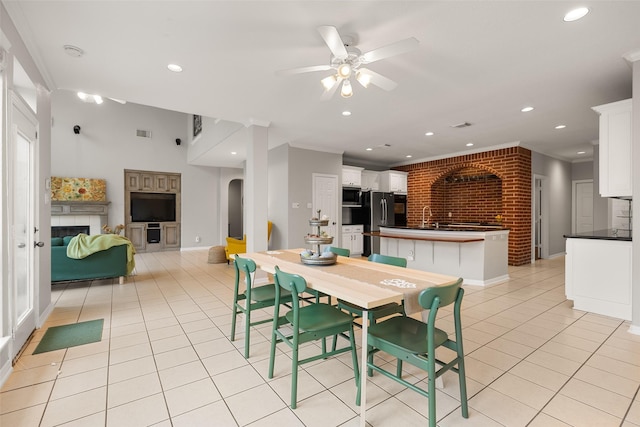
[347,61]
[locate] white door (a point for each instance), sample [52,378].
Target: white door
[584,207]
[21,152]
[326,198]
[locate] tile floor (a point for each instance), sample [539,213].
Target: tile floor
[166,360]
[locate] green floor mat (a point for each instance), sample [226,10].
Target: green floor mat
[58,337]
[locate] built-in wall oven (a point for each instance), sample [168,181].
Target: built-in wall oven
[400,209]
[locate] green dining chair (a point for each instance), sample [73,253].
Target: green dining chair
[254,298]
[388,259]
[415,342]
[340,251]
[307,323]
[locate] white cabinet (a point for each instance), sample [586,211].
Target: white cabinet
[370,180]
[393,182]
[352,238]
[351,176]
[615,149]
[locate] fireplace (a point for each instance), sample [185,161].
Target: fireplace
[69,230]
[72,214]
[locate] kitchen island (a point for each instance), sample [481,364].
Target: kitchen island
[478,254]
[598,272]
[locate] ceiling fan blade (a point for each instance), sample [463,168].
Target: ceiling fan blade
[333,40]
[301,70]
[328,94]
[119,101]
[389,50]
[378,79]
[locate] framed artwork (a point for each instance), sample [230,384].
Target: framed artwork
[197,125]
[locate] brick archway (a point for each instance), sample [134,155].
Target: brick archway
[511,165]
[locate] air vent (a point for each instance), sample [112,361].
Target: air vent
[461,125]
[143,133]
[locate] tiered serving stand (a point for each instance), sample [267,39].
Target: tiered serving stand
[317,257]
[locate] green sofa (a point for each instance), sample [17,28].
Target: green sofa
[100,265]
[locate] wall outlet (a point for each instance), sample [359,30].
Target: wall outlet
[295,205]
[449,214]
[410,258]
[198,239]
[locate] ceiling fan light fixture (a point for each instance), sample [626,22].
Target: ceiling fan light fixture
[346,90]
[329,82]
[363,78]
[344,70]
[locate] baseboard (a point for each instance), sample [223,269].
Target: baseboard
[5,359]
[634,329]
[194,248]
[45,315]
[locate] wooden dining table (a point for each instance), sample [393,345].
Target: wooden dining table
[357,281]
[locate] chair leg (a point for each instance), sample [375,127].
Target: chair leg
[233,319]
[462,379]
[247,330]
[399,369]
[294,378]
[431,386]
[272,352]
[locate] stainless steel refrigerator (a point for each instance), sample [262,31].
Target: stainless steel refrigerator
[377,210]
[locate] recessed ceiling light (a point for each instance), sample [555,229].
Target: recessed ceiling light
[369,149]
[175,68]
[408,156]
[527,109]
[561,126]
[429,134]
[346,113]
[575,14]
[234,153]
[582,152]
[469,144]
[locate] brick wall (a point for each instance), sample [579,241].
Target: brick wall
[476,188]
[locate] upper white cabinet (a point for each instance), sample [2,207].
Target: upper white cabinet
[370,180]
[615,149]
[351,176]
[393,182]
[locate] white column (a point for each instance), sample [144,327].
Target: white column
[255,189]
[634,58]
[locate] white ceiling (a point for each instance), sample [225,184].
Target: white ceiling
[478,62]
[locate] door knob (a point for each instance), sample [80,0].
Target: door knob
[21,245]
[38,244]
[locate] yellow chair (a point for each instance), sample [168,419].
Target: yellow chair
[237,246]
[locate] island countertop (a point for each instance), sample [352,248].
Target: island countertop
[620,235]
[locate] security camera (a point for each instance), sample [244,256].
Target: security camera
[178,141]
[76,129]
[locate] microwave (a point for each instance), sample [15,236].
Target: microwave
[351,196]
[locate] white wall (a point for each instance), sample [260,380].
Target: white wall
[558,175]
[107,145]
[278,200]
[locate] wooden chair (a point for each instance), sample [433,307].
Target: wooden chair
[254,298]
[415,342]
[307,323]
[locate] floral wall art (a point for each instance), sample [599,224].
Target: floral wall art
[78,189]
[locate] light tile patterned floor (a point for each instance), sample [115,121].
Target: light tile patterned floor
[166,360]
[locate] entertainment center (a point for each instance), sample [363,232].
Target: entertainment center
[152,210]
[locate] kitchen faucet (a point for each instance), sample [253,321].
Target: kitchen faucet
[430,214]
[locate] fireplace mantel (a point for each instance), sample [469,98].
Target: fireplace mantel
[65,207]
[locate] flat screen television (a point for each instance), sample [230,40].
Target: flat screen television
[153,207]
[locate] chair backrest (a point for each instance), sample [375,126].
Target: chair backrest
[388,259]
[291,282]
[247,266]
[445,295]
[340,251]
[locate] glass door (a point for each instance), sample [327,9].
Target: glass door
[21,222]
